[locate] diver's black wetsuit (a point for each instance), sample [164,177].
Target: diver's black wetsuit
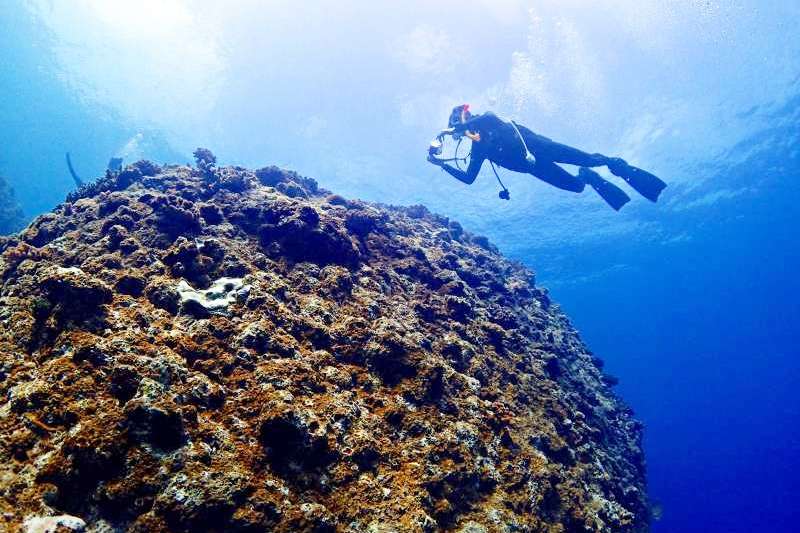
[500,143]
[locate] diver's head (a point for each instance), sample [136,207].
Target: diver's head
[459,115]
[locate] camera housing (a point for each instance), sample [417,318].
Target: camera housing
[435,148]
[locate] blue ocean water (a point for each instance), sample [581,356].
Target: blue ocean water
[692,302]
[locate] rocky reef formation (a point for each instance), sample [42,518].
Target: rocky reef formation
[11,216]
[218,349]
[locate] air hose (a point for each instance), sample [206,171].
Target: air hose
[528,155]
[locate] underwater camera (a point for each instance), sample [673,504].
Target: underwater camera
[435,148]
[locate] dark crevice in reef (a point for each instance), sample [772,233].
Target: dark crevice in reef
[294,451]
[218,349]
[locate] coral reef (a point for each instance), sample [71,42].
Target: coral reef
[12,218]
[216,349]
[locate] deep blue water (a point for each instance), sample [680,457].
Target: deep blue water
[704,338]
[697,310]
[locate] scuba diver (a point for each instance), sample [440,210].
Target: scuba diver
[517,148]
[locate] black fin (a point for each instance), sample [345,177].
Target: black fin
[642,181]
[613,195]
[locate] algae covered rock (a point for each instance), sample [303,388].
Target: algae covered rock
[220,349]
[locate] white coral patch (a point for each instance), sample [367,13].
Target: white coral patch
[217,297]
[51,524]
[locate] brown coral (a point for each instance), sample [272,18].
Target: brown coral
[229,350]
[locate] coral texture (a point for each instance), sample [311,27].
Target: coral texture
[218,349]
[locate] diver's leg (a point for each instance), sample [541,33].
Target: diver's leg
[642,181]
[561,153]
[556,176]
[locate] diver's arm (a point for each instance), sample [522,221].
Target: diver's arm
[469,176]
